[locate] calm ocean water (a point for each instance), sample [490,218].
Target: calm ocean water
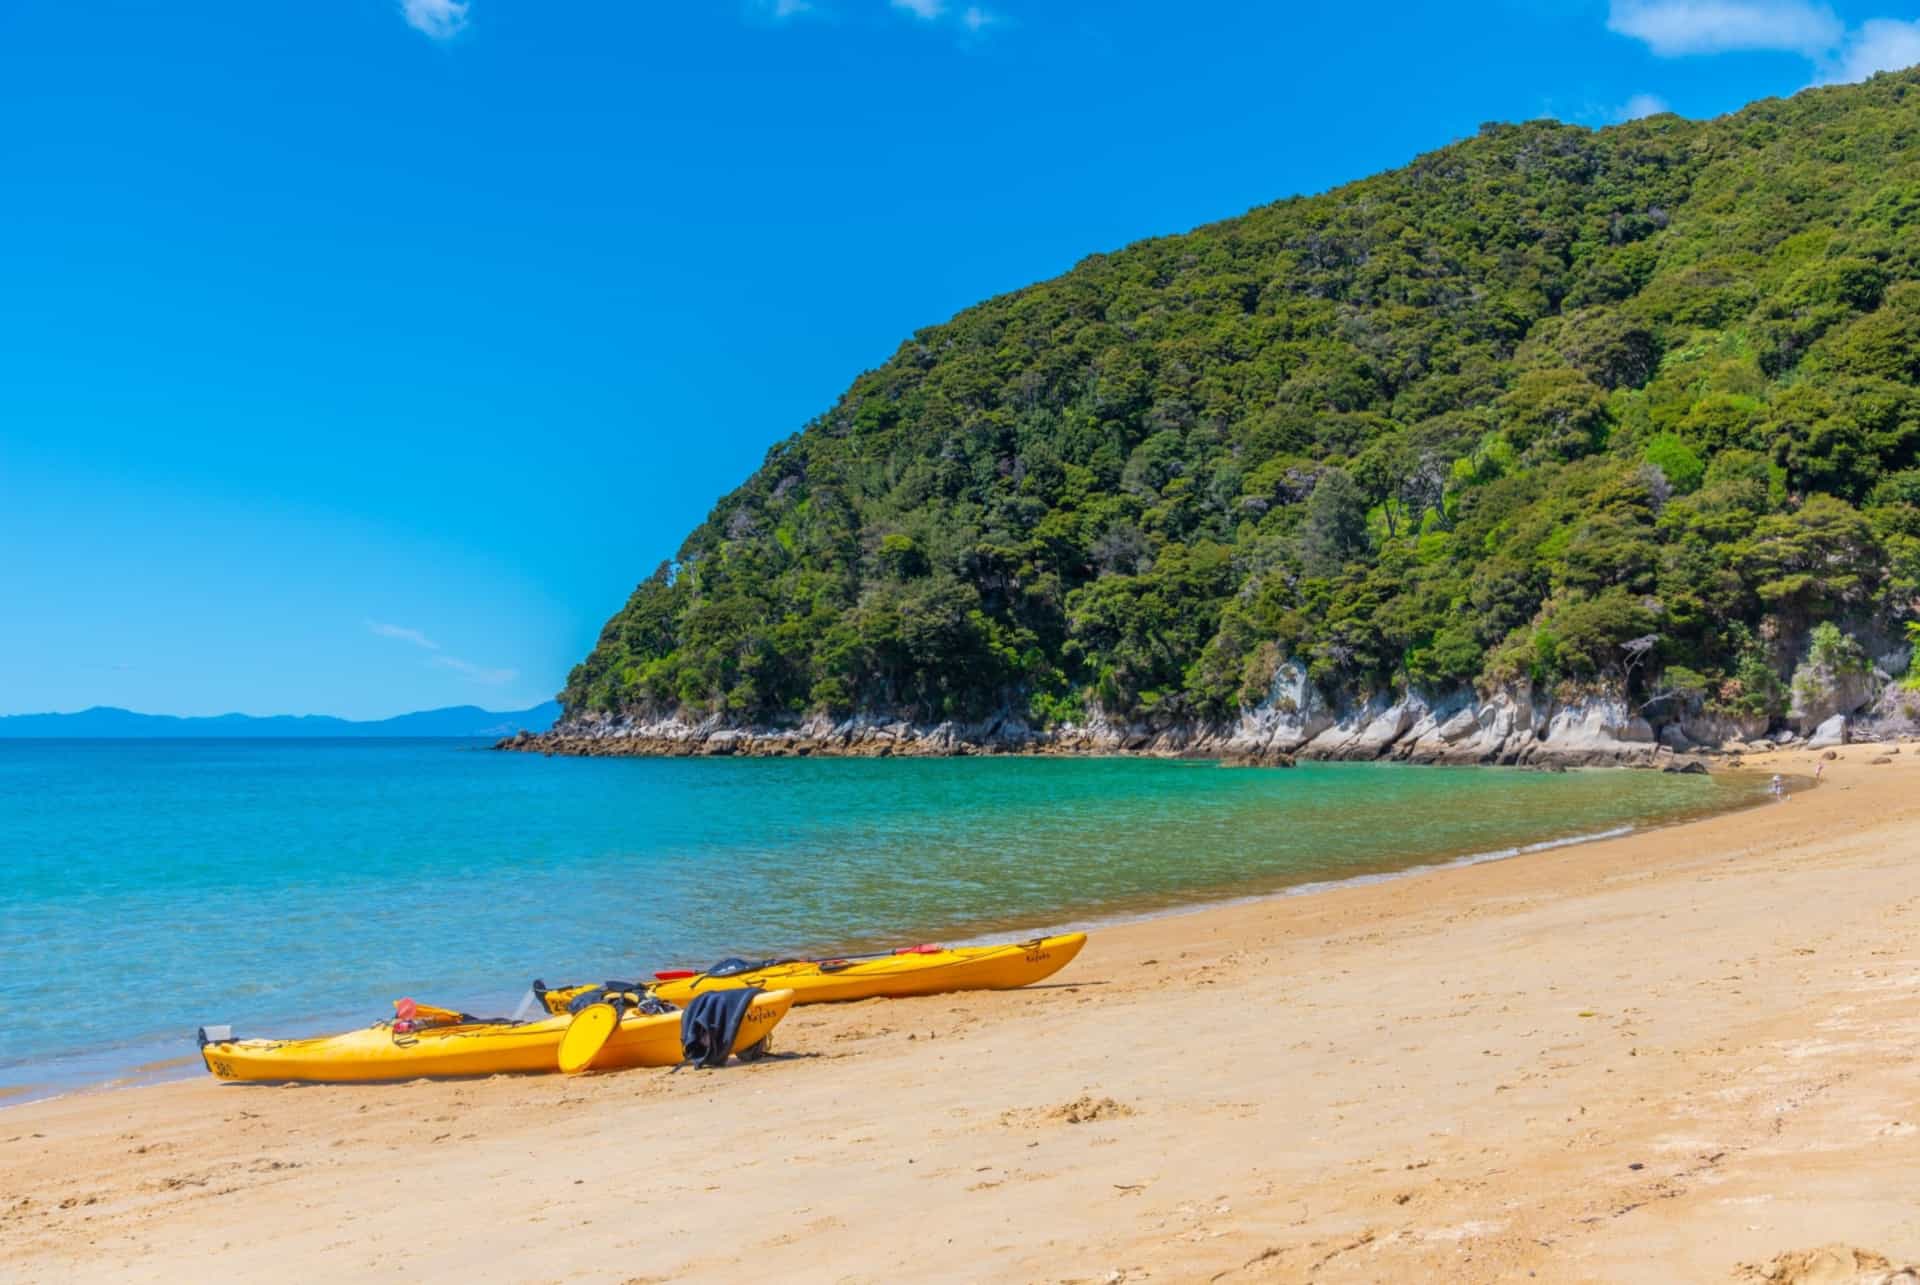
[288,887]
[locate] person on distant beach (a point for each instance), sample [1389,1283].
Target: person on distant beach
[1818,768]
[1777,787]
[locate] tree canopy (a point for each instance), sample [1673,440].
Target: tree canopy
[1497,415]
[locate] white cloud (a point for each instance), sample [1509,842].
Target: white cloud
[478,673]
[1672,28]
[1881,44]
[1642,105]
[404,634]
[925,10]
[441,19]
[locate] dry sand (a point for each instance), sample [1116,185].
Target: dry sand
[1683,1055]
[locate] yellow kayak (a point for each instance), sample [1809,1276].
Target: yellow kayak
[918,971]
[379,1052]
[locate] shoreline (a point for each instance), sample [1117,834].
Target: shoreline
[1652,1057]
[148,1063]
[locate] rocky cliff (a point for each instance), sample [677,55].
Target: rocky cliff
[1510,727]
[1838,694]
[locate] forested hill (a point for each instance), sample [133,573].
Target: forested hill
[1624,410]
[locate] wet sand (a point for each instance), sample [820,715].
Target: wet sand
[1689,1054]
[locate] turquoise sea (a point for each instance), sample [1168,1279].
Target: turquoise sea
[289,887]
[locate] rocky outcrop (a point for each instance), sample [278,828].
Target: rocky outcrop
[1295,722]
[1820,695]
[1896,713]
[1833,681]
[1720,728]
[1838,694]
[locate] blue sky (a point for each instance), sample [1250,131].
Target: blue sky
[359,357]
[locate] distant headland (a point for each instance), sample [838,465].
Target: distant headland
[104,722]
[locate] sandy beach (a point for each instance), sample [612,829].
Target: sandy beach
[1688,1054]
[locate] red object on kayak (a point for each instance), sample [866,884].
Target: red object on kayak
[925,948]
[674,974]
[405,1009]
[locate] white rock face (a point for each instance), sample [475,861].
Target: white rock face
[1463,723]
[1293,714]
[1819,693]
[1367,732]
[1511,725]
[1724,729]
[1830,733]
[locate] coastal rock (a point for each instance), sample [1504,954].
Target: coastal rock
[1458,727]
[1722,729]
[1831,732]
[1267,759]
[1293,714]
[1510,726]
[1834,680]
[1368,732]
[1896,713]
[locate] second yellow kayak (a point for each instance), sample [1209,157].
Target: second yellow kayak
[917,972]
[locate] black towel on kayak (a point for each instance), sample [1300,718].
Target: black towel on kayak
[711,1023]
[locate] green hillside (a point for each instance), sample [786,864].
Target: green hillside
[1487,418]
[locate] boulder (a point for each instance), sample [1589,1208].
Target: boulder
[1832,731]
[1461,725]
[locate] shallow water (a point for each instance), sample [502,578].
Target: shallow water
[285,887]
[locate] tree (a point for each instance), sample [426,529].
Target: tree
[1334,530]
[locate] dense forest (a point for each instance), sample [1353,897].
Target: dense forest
[1630,409]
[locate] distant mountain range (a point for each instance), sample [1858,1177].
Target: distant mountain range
[104,721]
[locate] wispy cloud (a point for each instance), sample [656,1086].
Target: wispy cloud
[478,673]
[1674,28]
[1881,44]
[404,634]
[925,10]
[492,676]
[440,19]
[1641,106]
